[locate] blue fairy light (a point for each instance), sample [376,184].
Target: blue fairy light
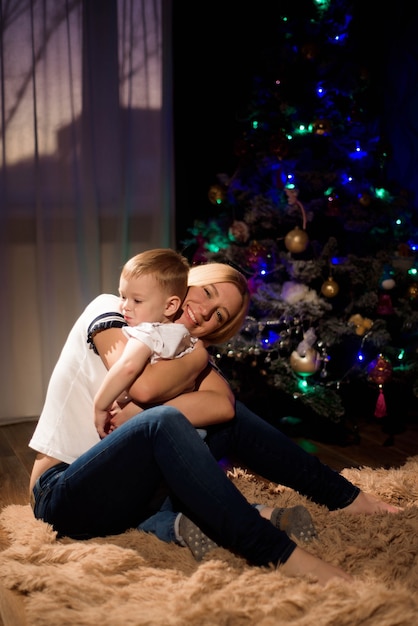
[358,153]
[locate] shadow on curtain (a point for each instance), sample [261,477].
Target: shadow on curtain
[86,172]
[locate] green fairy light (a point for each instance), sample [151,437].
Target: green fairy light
[303,385]
[383,194]
[323,5]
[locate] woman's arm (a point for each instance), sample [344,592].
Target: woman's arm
[213,401]
[167,379]
[171,377]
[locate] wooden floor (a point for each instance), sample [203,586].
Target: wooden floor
[16,460]
[367,444]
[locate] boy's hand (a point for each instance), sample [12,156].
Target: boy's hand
[102,422]
[119,415]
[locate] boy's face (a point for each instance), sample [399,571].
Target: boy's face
[142,300]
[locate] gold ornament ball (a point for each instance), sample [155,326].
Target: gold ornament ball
[365,199]
[296,240]
[322,127]
[310,50]
[330,288]
[413,292]
[216,194]
[306,364]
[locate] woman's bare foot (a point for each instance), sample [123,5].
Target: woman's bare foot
[368,504]
[302,563]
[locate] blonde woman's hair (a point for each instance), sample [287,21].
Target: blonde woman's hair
[212,273]
[169,268]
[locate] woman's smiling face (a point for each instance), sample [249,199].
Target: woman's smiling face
[206,309]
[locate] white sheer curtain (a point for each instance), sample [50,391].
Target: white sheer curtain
[86,169]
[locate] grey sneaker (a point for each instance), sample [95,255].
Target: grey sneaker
[195,539]
[296,522]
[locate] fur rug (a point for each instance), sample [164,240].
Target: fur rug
[135,580]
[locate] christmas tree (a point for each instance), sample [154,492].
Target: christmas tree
[326,238]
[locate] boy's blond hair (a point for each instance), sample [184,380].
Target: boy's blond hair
[169,268]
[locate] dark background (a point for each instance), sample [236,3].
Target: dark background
[219,46]
[218,49]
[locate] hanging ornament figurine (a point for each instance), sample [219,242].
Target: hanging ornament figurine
[305,360]
[296,240]
[387,281]
[379,373]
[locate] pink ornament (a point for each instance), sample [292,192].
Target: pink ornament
[254,283]
[384,305]
[200,254]
[380,370]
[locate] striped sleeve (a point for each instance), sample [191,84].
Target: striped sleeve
[103,322]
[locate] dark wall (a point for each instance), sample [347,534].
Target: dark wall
[215,55]
[217,49]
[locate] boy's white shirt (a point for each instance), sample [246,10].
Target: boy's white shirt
[166,341]
[148,341]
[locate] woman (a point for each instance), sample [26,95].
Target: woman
[84,486]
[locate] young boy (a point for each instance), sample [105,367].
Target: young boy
[152,287]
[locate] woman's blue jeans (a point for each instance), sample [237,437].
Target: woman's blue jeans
[251,442]
[124,480]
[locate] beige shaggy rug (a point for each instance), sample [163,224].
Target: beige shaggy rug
[134,579]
